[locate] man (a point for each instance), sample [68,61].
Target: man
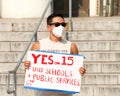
[55,43]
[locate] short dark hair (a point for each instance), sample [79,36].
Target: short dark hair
[50,17]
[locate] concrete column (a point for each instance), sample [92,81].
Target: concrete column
[23,8]
[93,8]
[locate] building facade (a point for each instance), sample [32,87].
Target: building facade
[34,9]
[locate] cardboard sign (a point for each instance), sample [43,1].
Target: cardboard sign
[54,72]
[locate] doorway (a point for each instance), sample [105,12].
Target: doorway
[62,6]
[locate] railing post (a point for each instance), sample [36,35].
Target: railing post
[52,4]
[15,84]
[9,91]
[35,37]
[70,15]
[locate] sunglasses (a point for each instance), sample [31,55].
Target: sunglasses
[58,24]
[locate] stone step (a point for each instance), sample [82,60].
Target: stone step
[83,45]
[97,83]
[85,91]
[91,67]
[99,91]
[21,91]
[76,36]
[94,35]
[19,36]
[88,79]
[90,56]
[83,23]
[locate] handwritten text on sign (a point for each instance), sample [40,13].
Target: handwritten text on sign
[53,71]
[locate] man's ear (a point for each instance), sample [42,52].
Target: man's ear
[49,28]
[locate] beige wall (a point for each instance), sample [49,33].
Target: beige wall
[23,8]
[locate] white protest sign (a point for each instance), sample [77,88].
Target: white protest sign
[53,72]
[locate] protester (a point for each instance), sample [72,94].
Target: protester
[55,43]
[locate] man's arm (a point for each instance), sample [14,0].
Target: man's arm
[36,46]
[74,50]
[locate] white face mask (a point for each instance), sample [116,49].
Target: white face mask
[59,31]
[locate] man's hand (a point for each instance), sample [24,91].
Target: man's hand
[82,71]
[27,64]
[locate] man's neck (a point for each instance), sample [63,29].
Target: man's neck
[56,39]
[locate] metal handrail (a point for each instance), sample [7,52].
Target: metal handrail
[14,71]
[8,82]
[9,91]
[70,15]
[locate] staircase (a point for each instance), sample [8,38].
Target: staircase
[98,38]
